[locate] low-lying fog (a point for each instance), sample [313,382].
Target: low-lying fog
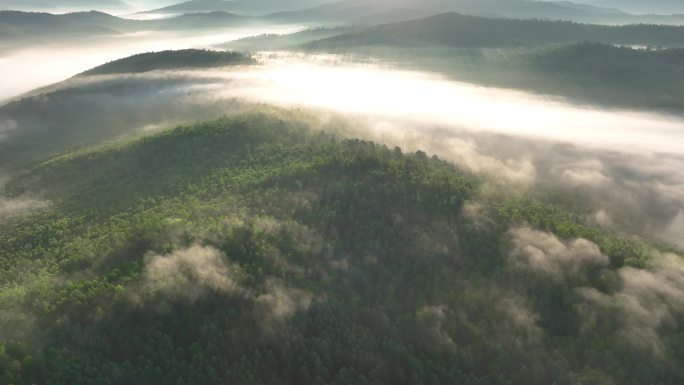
[626,167]
[328,82]
[628,164]
[36,66]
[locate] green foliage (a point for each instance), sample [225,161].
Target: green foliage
[622,251]
[165,60]
[405,286]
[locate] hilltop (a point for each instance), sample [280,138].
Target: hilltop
[248,248]
[180,59]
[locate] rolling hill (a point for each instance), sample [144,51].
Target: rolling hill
[615,66]
[34,24]
[202,21]
[27,26]
[457,30]
[264,249]
[292,41]
[653,6]
[347,11]
[188,58]
[195,6]
[250,6]
[156,227]
[87,110]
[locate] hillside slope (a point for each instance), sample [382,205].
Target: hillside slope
[347,11]
[262,249]
[29,27]
[163,60]
[250,6]
[457,30]
[87,110]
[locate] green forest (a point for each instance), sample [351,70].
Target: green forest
[457,30]
[265,248]
[166,60]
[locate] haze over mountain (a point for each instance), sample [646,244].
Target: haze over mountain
[21,28]
[74,43]
[452,29]
[248,6]
[348,10]
[64,5]
[638,6]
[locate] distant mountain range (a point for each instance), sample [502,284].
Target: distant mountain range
[369,12]
[245,6]
[352,10]
[19,26]
[28,5]
[458,30]
[642,6]
[609,65]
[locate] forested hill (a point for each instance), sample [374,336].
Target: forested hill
[34,24]
[164,60]
[350,11]
[263,249]
[45,27]
[604,74]
[250,6]
[194,6]
[457,30]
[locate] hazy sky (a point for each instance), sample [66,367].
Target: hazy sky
[79,5]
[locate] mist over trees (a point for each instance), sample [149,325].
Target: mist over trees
[458,30]
[377,199]
[253,250]
[624,66]
[189,58]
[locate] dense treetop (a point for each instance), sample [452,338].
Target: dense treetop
[263,248]
[164,60]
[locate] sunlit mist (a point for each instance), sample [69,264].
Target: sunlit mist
[26,69]
[329,83]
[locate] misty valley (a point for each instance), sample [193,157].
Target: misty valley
[341,192]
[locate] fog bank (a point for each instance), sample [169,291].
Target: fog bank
[621,168]
[627,166]
[41,65]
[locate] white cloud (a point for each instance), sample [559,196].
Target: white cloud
[647,301]
[19,206]
[280,302]
[190,272]
[544,252]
